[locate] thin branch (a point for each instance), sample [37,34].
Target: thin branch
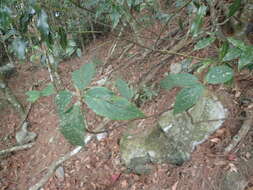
[165,25]
[126,123]
[51,169]
[16,148]
[80,7]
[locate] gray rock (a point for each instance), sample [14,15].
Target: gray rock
[101,136]
[59,173]
[175,68]
[23,136]
[174,137]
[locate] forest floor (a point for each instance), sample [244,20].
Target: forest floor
[98,166]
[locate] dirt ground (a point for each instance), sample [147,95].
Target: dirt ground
[98,166]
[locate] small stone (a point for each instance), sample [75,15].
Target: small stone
[59,173]
[124,184]
[23,136]
[248,155]
[87,139]
[101,136]
[175,68]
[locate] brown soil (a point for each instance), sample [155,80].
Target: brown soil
[99,167]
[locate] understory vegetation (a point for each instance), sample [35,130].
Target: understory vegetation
[45,33]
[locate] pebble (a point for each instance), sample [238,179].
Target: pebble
[59,173]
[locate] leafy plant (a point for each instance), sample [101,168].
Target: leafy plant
[99,99]
[34,95]
[191,91]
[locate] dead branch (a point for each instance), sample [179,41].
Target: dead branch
[16,148]
[51,169]
[241,133]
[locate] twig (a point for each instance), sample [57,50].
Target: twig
[241,133]
[53,167]
[165,25]
[16,148]
[126,123]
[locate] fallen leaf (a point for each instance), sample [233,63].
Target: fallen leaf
[115,177]
[221,163]
[232,157]
[233,168]
[124,184]
[248,155]
[215,140]
[174,187]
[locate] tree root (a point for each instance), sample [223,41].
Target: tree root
[51,169]
[241,133]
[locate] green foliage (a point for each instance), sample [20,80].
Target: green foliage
[246,58]
[237,43]
[232,53]
[240,50]
[188,97]
[72,124]
[83,76]
[105,103]
[198,20]
[42,23]
[34,95]
[124,89]
[204,43]
[223,50]
[235,6]
[5,17]
[48,91]
[219,74]
[19,47]
[63,100]
[178,80]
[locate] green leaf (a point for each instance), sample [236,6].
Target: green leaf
[187,97]
[129,3]
[19,47]
[223,50]
[33,95]
[234,7]
[5,18]
[179,80]
[72,126]
[63,100]
[49,90]
[115,17]
[79,52]
[103,102]
[246,58]
[25,19]
[237,43]
[198,21]
[219,74]
[204,43]
[233,53]
[124,89]
[83,76]
[63,37]
[42,24]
